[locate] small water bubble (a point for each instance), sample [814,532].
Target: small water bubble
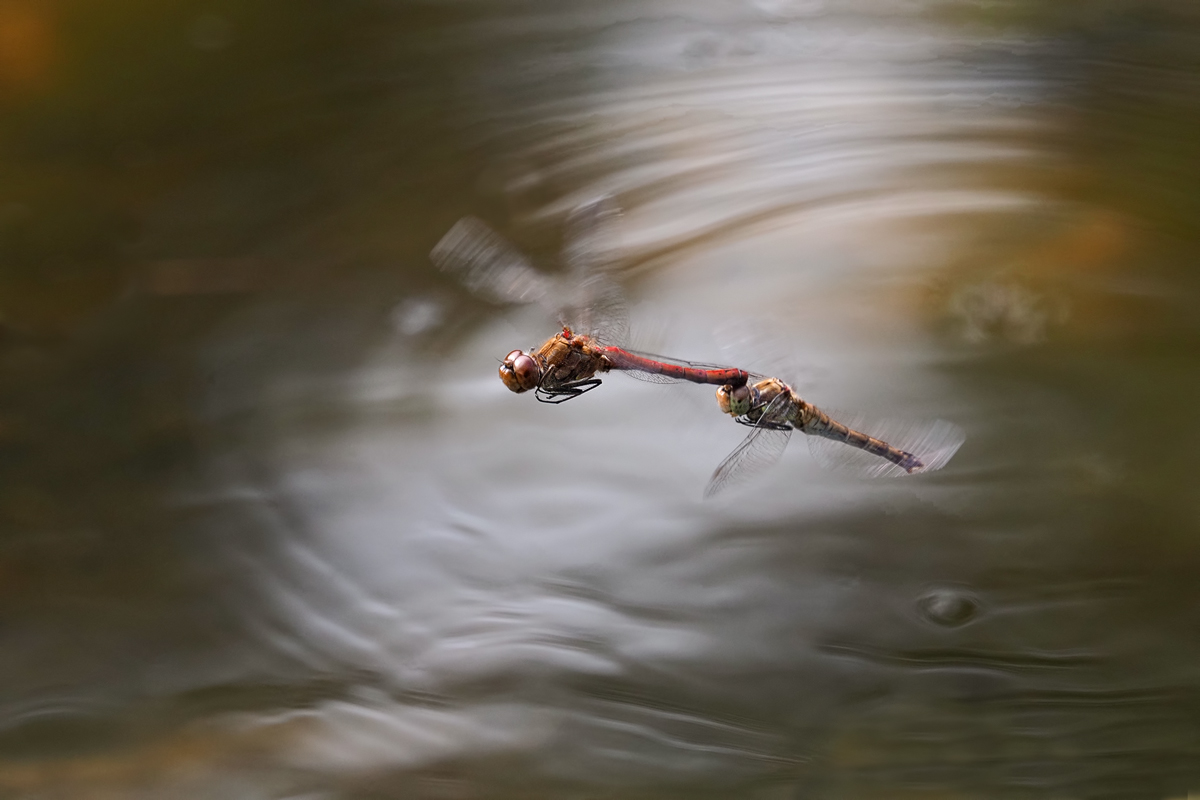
[948,607]
[417,315]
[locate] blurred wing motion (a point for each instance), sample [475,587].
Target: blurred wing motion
[765,345]
[597,306]
[759,451]
[488,265]
[590,236]
[491,268]
[601,311]
[934,443]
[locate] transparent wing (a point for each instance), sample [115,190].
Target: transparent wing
[489,266]
[598,306]
[649,377]
[935,443]
[767,345]
[601,311]
[758,451]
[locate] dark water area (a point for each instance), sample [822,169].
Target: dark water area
[271,527]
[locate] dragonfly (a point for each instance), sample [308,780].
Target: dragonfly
[589,307]
[773,410]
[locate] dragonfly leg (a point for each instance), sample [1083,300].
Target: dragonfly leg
[771,426]
[563,393]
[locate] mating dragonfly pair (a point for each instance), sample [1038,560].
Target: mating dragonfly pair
[594,323]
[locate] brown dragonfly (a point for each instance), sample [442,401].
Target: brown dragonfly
[773,410]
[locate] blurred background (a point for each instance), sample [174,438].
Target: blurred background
[270,527]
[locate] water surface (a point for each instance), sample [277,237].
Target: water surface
[271,527]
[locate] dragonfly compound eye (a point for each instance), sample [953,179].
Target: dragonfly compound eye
[520,371]
[735,402]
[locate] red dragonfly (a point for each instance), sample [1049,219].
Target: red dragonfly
[590,309]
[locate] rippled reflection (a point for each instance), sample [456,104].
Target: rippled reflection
[271,526]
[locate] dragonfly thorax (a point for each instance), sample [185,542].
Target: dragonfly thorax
[751,401]
[561,362]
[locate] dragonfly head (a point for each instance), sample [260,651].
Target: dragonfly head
[520,371]
[736,402]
